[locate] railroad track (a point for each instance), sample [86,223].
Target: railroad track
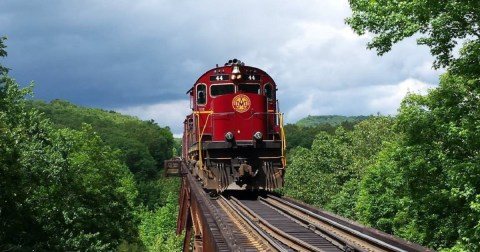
[282,230]
[274,224]
[269,223]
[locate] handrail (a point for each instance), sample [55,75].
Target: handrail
[197,114]
[282,139]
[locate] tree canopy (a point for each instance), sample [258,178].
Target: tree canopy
[67,189]
[144,145]
[425,185]
[442,25]
[3,53]
[321,174]
[330,120]
[416,176]
[60,190]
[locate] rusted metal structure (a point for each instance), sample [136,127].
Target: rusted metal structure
[197,219]
[173,167]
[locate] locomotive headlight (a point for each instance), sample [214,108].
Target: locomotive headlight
[258,135]
[236,73]
[236,70]
[229,136]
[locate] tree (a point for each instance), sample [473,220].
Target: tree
[329,172]
[144,144]
[66,186]
[367,139]
[3,53]
[315,175]
[59,189]
[302,136]
[425,186]
[158,227]
[443,24]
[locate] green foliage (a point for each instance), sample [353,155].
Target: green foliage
[300,136]
[377,201]
[425,185]
[157,229]
[177,147]
[369,137]
[468,64]
[331,168]
[304,131]
[104,210]
[331,120]
[443,24]
[153,193]
[60,190]
[63,188]
[3,53]
[144,144]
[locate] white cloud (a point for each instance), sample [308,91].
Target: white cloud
[171,114]
[365,100]
[388,98]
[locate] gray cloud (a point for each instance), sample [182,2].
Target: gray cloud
[142,56]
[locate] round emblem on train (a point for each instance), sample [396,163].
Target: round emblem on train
[241,103]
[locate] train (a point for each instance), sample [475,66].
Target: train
[234,138]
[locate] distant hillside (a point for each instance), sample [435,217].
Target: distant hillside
[334,120]
[144,144]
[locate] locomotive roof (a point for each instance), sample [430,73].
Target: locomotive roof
[222,74]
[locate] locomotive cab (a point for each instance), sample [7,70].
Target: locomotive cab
[235,121]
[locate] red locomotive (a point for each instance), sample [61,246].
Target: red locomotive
[234,138]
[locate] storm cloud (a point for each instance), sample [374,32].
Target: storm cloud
[140,57]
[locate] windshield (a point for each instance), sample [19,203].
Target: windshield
[222,89]
[249,88]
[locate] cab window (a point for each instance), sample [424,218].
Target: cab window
[249,88]
[222,89]
[201,94]
[269,91]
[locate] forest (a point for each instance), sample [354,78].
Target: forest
[81,179]
[332,120]
[415,175]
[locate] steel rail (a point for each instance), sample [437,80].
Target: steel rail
[255,227]
[278,234]
[370,239]
[327,234]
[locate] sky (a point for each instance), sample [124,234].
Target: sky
[141,57]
